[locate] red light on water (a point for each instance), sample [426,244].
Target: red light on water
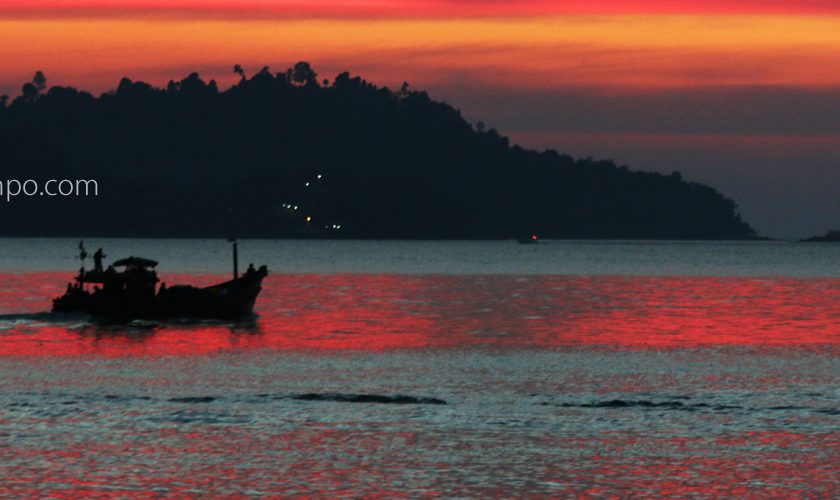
[386,312]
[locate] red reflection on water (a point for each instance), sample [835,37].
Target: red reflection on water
[749,465]
[323,461]
[312,460]
[382,312]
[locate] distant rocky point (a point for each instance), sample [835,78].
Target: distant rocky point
[833,236]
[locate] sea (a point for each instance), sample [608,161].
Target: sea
[466,369]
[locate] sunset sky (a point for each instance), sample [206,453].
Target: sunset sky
[741,94]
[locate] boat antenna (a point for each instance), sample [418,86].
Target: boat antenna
[82,252]
[232,239]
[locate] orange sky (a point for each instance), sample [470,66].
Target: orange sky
[603,51]
[609,45]
[605,44]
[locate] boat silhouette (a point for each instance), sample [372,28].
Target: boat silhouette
[128,289]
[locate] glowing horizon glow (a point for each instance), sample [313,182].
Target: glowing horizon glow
[599,52]
[635,44]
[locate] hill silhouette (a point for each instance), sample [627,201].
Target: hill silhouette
[355,159]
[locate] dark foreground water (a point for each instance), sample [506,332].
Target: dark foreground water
[668,369]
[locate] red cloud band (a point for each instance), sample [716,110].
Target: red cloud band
[410,8]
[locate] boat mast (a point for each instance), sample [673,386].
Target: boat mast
[232,239]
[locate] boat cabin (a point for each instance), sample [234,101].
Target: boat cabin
[132,276]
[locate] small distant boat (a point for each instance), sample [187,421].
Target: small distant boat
[128,289]
[530,240]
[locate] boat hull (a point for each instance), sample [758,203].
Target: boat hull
[229,300]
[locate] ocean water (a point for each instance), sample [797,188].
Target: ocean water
[468,369]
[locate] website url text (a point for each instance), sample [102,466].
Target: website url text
[12,188]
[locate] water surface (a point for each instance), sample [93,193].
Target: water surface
[595,368]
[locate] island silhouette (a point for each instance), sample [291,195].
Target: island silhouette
[831,236]
[285,155]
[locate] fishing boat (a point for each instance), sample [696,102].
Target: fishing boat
[129,289]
